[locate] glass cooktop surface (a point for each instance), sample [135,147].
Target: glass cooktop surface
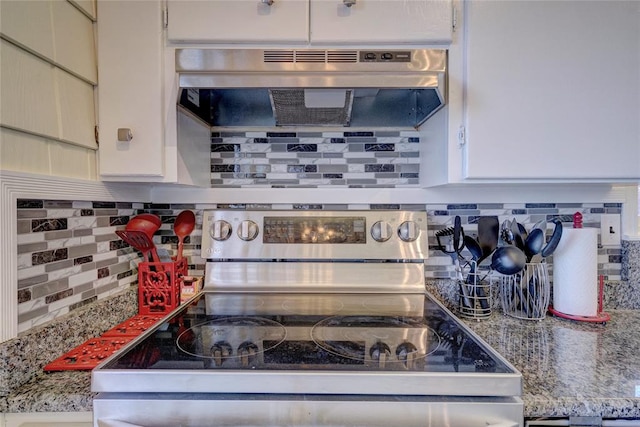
[257,332]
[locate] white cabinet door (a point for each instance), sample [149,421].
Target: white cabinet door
[130,95]
[314,21]
[553,90]
[238,21]
[381,21]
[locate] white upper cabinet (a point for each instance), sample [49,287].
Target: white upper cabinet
[238,21]
[552,91]
[137,93]
[381,21]
[310,21]
[130,90]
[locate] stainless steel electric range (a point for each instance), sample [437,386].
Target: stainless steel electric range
[310,318]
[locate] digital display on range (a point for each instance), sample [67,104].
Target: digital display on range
[315,230]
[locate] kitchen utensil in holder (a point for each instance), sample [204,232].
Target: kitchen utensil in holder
[525,295]
[159,285]
[475,293]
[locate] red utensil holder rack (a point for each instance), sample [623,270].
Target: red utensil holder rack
[159,285]
[89,354]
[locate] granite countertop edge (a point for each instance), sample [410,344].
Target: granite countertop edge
[70,392]
[536,406]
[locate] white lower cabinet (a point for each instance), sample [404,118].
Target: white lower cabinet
[49,419]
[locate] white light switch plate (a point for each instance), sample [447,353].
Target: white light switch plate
[610,229]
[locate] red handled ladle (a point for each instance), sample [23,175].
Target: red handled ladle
[183,226]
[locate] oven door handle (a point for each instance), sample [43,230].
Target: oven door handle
[116,423]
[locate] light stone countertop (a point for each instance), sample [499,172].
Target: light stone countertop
[25,387]
[572,368]
[569,368]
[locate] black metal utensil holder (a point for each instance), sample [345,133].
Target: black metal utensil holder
[475,292]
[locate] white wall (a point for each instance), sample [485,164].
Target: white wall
[48,76]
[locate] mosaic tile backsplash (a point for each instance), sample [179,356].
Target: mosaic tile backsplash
[315,159]
[69,254]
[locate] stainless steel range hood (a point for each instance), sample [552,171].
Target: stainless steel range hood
[312,87]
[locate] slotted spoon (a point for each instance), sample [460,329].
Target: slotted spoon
[139,240]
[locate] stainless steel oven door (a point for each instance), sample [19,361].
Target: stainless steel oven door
[199,410]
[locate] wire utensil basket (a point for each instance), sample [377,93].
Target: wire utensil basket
[525,295]
[474,291]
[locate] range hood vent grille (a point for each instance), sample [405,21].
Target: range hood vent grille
[342,56]
[310,56]
[290,108]
[278,56]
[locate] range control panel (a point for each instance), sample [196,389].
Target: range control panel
[314,235]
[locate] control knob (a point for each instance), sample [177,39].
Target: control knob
[220,351]
[380,352]
[247,352]
[248,230]
[220,230]
[408,231]
[381,231]
[407,354]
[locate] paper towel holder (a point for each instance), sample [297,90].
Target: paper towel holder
[601,317]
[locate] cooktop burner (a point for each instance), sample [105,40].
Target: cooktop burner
[350,336]
[213,339]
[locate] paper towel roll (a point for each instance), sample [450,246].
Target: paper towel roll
[575,272]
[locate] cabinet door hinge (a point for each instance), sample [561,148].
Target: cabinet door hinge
[454,18]
[165,17]
[96,134]
[462,136]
